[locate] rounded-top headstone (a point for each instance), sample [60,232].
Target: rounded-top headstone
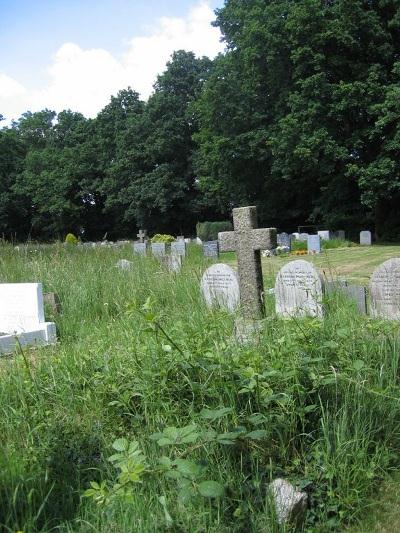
[385,290]
[220,287]
[299,290]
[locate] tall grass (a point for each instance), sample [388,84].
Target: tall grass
[325,393]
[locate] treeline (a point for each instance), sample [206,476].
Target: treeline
[299,116]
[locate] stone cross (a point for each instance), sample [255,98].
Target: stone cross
[247,240]
[142,235]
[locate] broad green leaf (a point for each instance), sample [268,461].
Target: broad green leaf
[120,444]
[211,489]
[258,434]
[188,468]
[210,414]
[358,364]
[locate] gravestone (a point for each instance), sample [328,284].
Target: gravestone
[284,239]
[365,238]
[324,234]
[181,238]
[22,316]
[142,235]
[302,237]
[178,248]
[210,249]
[358,294]
[188,240]
[124,264]
[139,248]
[314,244]
[247,241]
[173,262]
[335,285]
[298,290]
[220,287]
[158,249]
[339,234]
[385,290]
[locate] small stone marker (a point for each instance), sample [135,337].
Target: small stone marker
[290,504]
[124,264]
[210,249]
[158,249]
[314,244]
[142,235]
[139,248]
[220,287]
[284,239]
[173,263]
[302,237]
[247,241]
[181,238]
[365,238]
[358,294]
[325,235]
[178,248]
[298,290]
[385,290]
[22,316]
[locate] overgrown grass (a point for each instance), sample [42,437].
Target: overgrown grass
[139,352]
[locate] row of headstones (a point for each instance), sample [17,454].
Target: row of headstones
[299,290]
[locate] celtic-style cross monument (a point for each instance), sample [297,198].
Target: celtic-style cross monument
[247,241]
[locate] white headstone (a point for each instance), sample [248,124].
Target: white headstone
[178,248]
[298,290]
[220,287]
[385,290]
[314,244]
[365,238]
[22,316]
[124,264]
[325,235]
[158,248]
[139,248]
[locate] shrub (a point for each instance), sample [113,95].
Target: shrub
[71,239]
[159,237]
[208,231]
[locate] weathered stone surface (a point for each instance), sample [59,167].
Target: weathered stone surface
[324,234]
[247,240]
[142,235]
[173,262]
[178,248]
[314,244]
[124,264]
[220,287]
[365,238]
[290,504]
[385,290]
[158,248]
[248,331]
[210,249]
[358,294]
[298,290]
[139,248]
[52,300]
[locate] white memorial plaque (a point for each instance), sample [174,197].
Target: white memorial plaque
[298,290]
[385,290]
[220,287]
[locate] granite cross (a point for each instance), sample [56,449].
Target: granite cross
[142,235]
[247,240]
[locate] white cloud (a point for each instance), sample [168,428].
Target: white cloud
[84,80]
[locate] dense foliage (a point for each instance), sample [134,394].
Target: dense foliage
[300,116]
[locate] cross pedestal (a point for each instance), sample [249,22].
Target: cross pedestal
[141,235]
[247,240]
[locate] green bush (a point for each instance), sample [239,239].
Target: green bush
[159,237]
[208,231]
[71,239]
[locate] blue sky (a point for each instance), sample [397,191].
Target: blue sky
[75,54]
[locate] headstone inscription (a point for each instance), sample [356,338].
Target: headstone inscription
[314,244]
[158,249]
[139,248]
[142,235]
[247,241]
[178,248]
[385,290]
[365,238]
[298,290]
[220,287]
[284,239]
[22,316]
[210,249]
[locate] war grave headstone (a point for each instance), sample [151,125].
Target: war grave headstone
[284,239]
[365,238]
[385,290]
[142,235]
[324,234]
[247,240]
[22,317]
[158,249]
[178,248]
[314,244]
[298,290]
[220,287]
[210,249]
[139,248]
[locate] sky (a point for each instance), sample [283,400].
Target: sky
[75,54]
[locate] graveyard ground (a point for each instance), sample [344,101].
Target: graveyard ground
[142,364]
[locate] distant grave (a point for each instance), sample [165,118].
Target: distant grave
[220,287]
[173,262]
[124,264]
[139,248]
[284,239]
[324,234]
[142,235]
[178,248]
[22,317]
[313,244]
[210,249]
[365,238]
[158,249]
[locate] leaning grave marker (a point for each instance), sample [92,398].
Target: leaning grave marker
[299,290]
[385,290]
[220,287]
[22,316]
